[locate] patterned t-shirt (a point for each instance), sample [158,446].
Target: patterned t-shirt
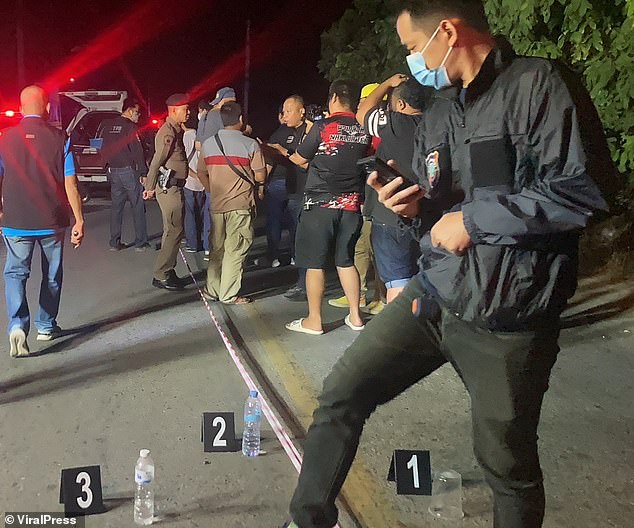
[333,146]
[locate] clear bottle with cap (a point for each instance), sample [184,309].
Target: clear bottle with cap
[252,421]
[144,489]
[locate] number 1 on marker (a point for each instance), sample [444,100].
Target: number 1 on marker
[413,465]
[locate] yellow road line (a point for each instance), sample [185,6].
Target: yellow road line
[365,497]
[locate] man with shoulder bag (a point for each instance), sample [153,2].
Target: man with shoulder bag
[235,169]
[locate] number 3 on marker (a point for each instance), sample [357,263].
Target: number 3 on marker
[83,478]
[413,465]
[218,440]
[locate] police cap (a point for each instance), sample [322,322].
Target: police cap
[177,100]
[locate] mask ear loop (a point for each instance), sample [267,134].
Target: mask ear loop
[446,56]
[430,40]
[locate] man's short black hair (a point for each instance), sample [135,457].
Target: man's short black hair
[203,104]
[348,93]
[429,13]
[230,113]
[414,94]
[129,103]
[297,98]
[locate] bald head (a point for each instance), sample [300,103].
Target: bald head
[33,101]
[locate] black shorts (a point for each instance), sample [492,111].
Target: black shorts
[323,233]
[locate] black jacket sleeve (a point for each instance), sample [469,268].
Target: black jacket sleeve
[562,196]
[136,151]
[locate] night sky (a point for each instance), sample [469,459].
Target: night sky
[169,46]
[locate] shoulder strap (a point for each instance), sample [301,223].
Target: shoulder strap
[190,156]
[241,174]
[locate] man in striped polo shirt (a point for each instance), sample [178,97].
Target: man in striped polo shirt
[235,168]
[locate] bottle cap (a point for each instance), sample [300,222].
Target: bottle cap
[144,453]
[253,394]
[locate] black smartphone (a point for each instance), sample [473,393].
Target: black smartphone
[386,174]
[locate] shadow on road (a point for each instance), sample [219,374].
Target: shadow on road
[85,372]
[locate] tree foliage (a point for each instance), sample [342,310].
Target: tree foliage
[593,37]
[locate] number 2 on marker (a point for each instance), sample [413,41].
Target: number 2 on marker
[218,440]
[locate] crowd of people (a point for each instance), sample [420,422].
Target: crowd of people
[466,184]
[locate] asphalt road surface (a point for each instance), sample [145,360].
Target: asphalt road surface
[138,367]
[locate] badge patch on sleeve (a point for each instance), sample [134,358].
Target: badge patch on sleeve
[169,140]
[432,165]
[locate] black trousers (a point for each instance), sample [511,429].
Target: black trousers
[506,376]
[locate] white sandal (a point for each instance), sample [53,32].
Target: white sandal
[296,326]
[350,325]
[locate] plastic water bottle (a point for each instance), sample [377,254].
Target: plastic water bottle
[252,421]
[144,490]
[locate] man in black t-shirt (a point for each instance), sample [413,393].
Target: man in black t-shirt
[283,176]
[332,205]
[396,251]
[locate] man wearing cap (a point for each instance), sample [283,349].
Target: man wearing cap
[211,123]
[170,155]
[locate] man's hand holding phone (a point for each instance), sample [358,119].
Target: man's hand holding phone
[400,198]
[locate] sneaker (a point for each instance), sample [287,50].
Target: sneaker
[296,294]
[275,263]
[18,344]
[143,248]
[190,250]
[49,335]
[206,257]
[118,247]
[292,262]
[374,308]
[342,302]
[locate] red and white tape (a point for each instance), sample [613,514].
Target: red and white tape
[278,428]
[280,432]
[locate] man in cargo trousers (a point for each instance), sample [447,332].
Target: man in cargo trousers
[165,180]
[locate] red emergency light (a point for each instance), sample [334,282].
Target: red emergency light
[9,113]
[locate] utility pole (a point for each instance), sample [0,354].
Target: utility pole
[247,71]
[19,35]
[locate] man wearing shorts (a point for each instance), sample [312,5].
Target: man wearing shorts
[331,220]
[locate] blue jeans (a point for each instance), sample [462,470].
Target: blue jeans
[125,187]
[197,219]
[276,203]
[396,254]
[16,272]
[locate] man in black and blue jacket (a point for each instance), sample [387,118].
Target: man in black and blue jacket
[508,153]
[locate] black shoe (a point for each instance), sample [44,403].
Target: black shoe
[118,247]
[168,284]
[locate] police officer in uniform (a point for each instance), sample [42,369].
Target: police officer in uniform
[169,156]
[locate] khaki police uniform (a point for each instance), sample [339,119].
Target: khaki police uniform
[170,153]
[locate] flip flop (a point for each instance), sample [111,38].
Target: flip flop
[350,325]
[296,326]
[240,300]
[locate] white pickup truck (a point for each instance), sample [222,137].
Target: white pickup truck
[82,114]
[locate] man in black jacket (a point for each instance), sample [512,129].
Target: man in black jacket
[505,154]
[123,153]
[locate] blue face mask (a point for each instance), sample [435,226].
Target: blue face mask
[437,78]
